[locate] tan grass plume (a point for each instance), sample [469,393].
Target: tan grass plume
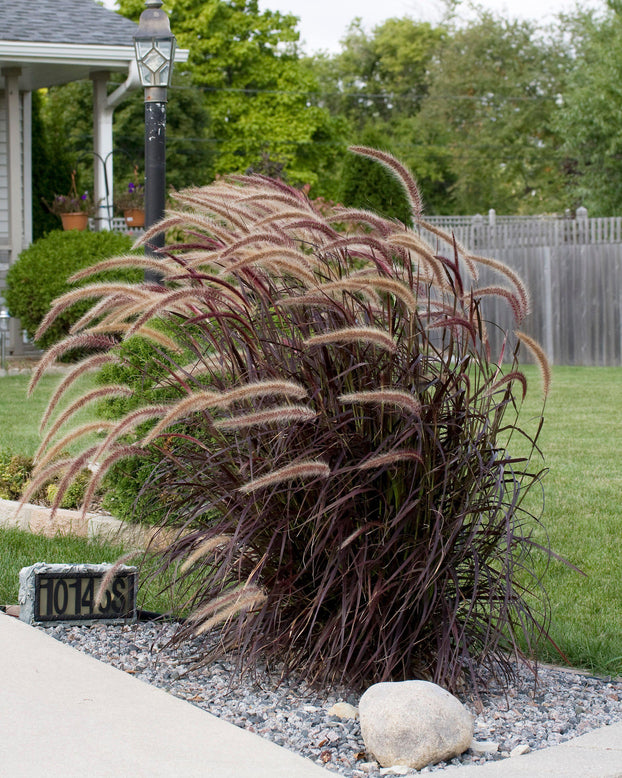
[396,397]
[352,334]
[308,468]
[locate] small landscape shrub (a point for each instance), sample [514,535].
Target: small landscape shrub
[140,365]
[324,425]
[40,276]
[16,472]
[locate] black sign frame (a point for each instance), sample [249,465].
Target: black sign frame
[110,610]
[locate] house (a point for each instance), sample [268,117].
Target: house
[42,44]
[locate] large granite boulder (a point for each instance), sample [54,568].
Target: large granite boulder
[413,723]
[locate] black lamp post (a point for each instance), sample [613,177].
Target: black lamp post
[155,51]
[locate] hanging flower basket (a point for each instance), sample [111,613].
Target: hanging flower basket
[77,207]
[131,202]
[74,221]
[134,217]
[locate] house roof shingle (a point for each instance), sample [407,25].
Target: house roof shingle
[64,21]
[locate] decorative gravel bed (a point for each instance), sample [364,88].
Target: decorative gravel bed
[563,705]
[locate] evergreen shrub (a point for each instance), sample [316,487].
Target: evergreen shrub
[41,271]
[327,431]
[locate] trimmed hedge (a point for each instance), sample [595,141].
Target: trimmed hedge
[40,275]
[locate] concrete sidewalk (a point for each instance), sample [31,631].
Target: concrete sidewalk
[63,713]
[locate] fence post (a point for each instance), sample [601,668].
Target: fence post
[492,228]
[582,225]
[478,230]
[549,340]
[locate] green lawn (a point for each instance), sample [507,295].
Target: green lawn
[21,549]
[20,415]
[582,512]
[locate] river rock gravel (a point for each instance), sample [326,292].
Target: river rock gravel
[563,704]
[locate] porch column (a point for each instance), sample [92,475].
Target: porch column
[16,194]
[102,162]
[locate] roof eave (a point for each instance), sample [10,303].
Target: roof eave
[99,55]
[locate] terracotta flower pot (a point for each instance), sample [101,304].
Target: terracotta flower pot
[74,221]
[134,217]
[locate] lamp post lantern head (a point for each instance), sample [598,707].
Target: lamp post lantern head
[155,46]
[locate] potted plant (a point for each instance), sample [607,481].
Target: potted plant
[132,202]
[74,209]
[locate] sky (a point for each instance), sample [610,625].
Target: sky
[324,22]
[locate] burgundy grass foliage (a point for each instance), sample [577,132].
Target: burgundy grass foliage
[332,448]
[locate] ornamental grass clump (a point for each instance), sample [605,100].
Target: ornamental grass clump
[327,433]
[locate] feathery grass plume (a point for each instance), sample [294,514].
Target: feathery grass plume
[516,280]
[205,400]
[40,477]
[207,364]
[399,171]
[321,299]
[500,291]
[270,238]
[391,458]
[85,429]
[282,414]
[200,401]
[433,308]
[126,260]
[278,216]
[447,237]
[81,340]
[103,466]
[128,423]
[87,365]
[397,397]
[541,359]
[298,470]
[515,375]
[268,388]
[360,215]
[100,393]
[310,228]
[363,283]
[181,220]
[75,467]
[281,198]
[107,580]
[280,253]
[273,260]
[225,210]
[352,334]
[412,242]
[204,548]
[144,331]
[102,289]
[179,300]
[101,308]
[362,243]
[451,322]
[222,600]
[248,598]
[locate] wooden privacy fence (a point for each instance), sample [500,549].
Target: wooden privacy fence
[573,270]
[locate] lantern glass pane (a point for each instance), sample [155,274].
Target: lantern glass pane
[166,47]
[155,60]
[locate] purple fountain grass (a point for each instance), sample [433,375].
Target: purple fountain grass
[324,428]
[402,174]
[349,334]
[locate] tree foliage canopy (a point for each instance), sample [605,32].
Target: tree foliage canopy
[488,113]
